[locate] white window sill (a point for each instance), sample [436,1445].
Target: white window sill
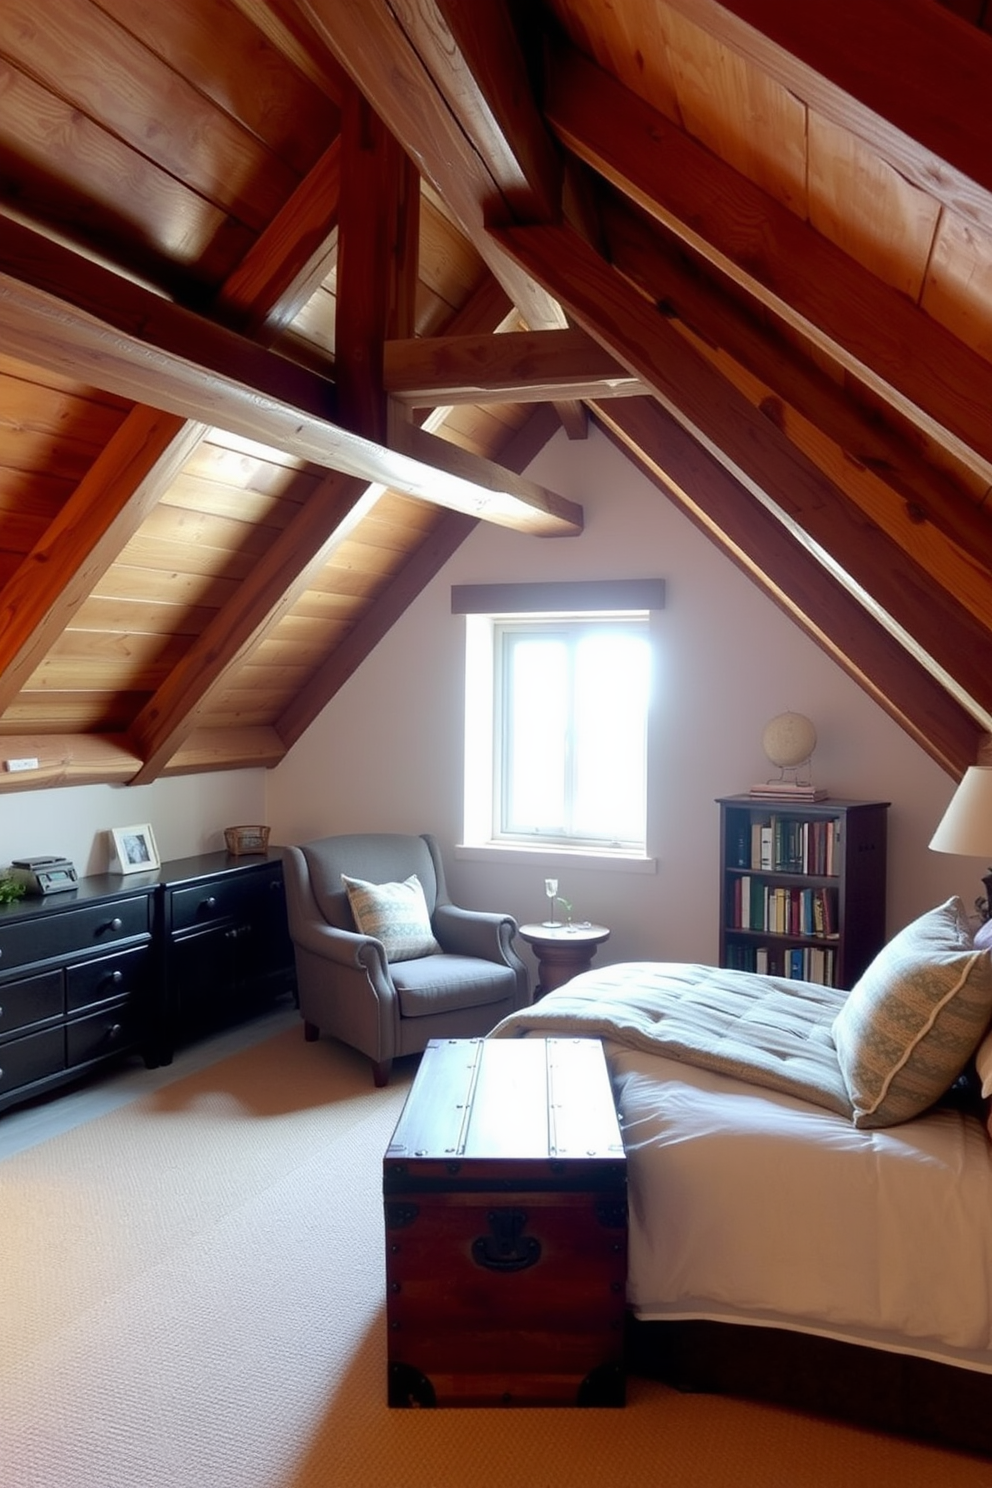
[555,857]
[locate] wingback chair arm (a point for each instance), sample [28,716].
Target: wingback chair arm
[471,932]
[346,947]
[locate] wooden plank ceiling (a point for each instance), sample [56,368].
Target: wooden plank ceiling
[262,369]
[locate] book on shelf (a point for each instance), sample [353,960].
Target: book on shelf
[783,790]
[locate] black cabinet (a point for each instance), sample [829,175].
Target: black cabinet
[137,964]
[226,951]
[76,983]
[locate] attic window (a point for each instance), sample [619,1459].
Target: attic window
[557,703]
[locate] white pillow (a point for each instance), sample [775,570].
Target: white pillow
[396,914]
[912,1022]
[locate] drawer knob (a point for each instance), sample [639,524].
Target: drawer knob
[116,923]
[114,1031]
[117,976]
[210,903]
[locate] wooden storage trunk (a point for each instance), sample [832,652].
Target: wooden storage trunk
[505,1194]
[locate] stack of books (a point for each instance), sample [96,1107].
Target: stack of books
[788,790]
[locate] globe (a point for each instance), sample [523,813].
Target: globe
[789,740]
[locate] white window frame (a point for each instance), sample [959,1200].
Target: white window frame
[491,611]
[570,630]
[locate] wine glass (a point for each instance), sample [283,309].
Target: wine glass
[551,889]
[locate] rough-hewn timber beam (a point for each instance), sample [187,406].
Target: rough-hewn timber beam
[517,367]
[876,331]
[693,292]
[409,66]
[758,543]
[167,367]
[756,452]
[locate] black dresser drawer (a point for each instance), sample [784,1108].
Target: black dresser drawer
[106,977]
[31,1058]
[86,927]
[101,1033]
[207,903]
[30,999]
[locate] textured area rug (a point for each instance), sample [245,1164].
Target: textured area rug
[191,1296]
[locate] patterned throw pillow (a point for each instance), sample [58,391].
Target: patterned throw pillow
[912,1022]
[396,914]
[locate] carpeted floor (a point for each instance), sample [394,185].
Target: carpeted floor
[191,1297]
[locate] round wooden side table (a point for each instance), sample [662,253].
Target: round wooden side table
[562,951]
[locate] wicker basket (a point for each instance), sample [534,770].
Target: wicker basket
[241,841]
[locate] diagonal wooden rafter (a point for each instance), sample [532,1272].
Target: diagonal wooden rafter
[758,543]
[485,160]
[450,82]
[474,57]
[522,447]
[693,293]
[276,582]
[149,448]
[877,332]
[170,359]
[167,732]
[385,54]
[378,192]
[755,451]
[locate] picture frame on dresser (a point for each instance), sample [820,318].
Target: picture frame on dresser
[134,849]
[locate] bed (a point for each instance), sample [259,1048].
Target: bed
[810,1177]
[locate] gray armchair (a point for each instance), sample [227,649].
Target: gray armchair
[348,988]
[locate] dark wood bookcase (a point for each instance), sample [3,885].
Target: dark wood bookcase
[802,886]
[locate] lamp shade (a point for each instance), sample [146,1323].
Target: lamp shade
[966,826]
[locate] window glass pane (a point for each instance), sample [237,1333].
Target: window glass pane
[571,734]
[537,713]
[611,690]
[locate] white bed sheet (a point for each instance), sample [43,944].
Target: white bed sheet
[753,1207]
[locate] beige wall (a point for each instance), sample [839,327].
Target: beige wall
[386,753]
[187,815]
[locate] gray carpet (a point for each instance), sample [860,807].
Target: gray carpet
[191,1297]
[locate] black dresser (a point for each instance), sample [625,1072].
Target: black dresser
[137,963]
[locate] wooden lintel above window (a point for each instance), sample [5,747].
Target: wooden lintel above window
[569,597]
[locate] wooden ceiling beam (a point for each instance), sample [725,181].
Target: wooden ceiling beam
[522,447]
[67,759]
[515,367]
[691,291]
[905,75]
[168,734]
[756,452]
[874,330]
[377,264]
[794,580]
[167,365]
[287,264]
[407,63]
[147,451]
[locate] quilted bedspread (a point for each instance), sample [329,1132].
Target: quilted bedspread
[766,1030]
